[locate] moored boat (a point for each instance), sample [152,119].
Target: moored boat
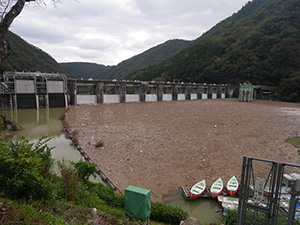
[283,191]
[232,185]
[226,199]
[226,205]
[216,188]
[198,189]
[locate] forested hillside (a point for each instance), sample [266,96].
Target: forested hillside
[84,70]
[26,57]
[152,56]
[260,43]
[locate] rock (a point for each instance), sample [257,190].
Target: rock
[191,221]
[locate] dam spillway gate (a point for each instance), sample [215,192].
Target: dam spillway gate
[21,90]
[29,90]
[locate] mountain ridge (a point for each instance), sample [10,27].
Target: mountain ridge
[27,57]
[260,43]
[149,57]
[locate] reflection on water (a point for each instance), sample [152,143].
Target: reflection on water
[37,123]
[45,122]
[201,208]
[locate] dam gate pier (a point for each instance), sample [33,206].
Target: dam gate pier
[101,92]
[22,90]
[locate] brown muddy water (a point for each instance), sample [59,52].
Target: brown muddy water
[46,122]
[37,123]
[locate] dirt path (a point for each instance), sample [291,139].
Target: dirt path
[164,145]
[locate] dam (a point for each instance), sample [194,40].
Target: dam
[23,90]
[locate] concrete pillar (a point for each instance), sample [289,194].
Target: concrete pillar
[65,89]
[210,91]
[37,101]
[15,96]
[160,90]
[199,92]
[47,95]
[219,91]
[143,92]
[174,92]
[47,100]
[122,92]
[99,92]
[36,94]
[188,91]
[66,100]
[72,92]
[15,101]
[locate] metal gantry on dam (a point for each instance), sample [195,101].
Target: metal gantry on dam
[21,90]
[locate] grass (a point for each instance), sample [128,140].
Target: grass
[39,212]
[294,141]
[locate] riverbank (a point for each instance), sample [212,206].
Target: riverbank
[164,145]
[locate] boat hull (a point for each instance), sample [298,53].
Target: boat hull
[232,186]
[216,188]
[214,195]
[198,189]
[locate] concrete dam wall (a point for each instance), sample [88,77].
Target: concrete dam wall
[21,90]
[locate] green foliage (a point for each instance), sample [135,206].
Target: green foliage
[25,174]
[109,196]
[159,212]
[290,89]
[13,212]
[230,217]
[84,70]
[260,43]
[85,170]
[71,181]
[167,213]
[24,169]
[26,57]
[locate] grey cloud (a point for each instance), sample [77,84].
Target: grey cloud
[110,31]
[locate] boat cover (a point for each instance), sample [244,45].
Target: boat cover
[137,203]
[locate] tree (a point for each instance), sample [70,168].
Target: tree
[9,10]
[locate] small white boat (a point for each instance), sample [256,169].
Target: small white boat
[216,188]
[231,200]
[232,185]
[226,205]
[198,189]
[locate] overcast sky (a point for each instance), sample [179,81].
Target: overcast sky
[110,31]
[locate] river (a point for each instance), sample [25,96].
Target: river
[46,122]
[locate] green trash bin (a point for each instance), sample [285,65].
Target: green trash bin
[137,203]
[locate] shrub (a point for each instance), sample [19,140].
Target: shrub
[85,170]
[110,197]
[230,216]
[167,213]
[25,167]
[70,179]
